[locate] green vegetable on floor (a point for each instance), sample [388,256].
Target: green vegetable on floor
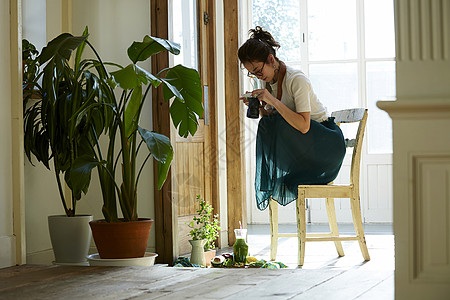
[228,263]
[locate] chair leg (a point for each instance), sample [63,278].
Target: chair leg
[357,223]
[273,216]
[331,213]
[301,227]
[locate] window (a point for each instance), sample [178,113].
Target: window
[345,47]
[184,32]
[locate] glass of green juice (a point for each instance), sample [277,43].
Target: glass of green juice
[240,247]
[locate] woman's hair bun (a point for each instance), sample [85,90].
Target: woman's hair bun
[264,36]
[258,47]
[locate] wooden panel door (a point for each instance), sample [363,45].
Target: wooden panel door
[189,181]
[193,169]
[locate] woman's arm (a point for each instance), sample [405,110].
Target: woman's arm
[300,121]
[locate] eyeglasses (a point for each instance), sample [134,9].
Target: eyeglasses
[257,73]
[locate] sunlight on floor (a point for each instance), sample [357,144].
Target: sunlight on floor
[323,255]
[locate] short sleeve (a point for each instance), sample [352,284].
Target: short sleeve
[300,89]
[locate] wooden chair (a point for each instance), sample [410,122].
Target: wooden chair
[329,192]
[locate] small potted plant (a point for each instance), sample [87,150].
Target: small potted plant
[204,231]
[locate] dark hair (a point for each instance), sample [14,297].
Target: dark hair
[258,47]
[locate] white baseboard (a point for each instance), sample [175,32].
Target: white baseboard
[7,251]
[44,257]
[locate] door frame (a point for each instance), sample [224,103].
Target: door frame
[235,140]
[17,147]
[166,227]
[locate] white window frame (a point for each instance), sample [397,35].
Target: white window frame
[377,159]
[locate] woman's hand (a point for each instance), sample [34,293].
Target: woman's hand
[265,96]
[298,120]
[245,98]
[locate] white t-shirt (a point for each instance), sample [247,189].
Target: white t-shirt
[299,96]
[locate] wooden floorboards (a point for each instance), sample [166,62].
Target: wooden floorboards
[324,276]
[62,282]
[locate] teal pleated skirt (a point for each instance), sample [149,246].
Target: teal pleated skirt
[285,158]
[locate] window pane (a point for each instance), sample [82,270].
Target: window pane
[282,19]
[380,85]
[184,32]
[379,21]
[332,29]
[336,85]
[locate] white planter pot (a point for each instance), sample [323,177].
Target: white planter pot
[71,238]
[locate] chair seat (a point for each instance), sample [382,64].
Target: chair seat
[327,191]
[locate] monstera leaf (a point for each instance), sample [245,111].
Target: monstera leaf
[184,111]
[140,51]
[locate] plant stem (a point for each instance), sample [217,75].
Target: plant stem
[61,193]
[141,168]
[98,57]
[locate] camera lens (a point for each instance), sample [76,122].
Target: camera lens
[253,108]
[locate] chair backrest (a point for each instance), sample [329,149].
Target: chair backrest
[352,116]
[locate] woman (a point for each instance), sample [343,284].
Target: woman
[297,143]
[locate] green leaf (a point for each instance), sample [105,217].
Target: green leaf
[183,118]
[131,118]
[133,76]
[80,50]
[158,144]
[184,111]
[140,51]
[163,170]
[80,173]
[173,89]
[61,47]
[161,149]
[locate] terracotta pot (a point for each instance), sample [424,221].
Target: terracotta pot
[121,239]
[209,255]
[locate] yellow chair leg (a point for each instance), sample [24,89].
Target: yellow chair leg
[301,227]
[357,223]
[273,216]
[331,213]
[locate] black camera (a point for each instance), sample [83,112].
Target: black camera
[253,108]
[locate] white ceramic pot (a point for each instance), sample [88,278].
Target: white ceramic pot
[198,253]
[71,238]
[147,260]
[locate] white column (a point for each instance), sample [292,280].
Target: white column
[421,159]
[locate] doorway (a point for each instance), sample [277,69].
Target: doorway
[194,170]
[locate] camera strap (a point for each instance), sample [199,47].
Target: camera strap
[280,80]
[281,74]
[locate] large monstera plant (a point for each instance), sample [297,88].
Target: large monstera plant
[110,122]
